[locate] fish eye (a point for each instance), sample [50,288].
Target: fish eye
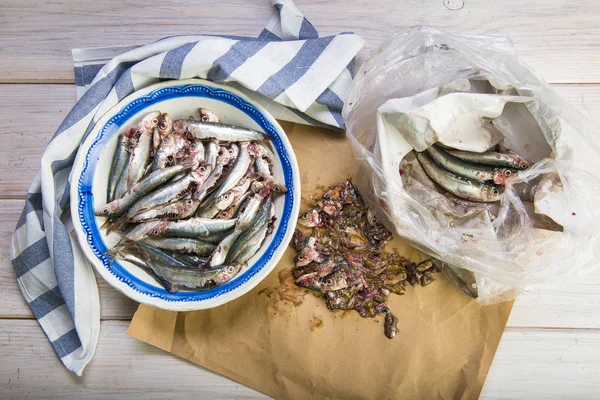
[154,121]
[105,211]
[523,165]
[304,216]
[193,146]
[155,232]
[508,172]
[223,213]
[275,189]
[495,191]
[205,118]
[226,196]
[230,269]
[202,168]
[230,151]
[328,282]
[189,202]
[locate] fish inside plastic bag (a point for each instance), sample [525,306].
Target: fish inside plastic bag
[470,92]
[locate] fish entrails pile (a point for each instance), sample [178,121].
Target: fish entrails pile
[192,199]
[470,175]
[344,258]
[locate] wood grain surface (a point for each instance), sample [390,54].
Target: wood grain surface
[550,347]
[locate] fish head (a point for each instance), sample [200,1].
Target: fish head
[519,161]
[493,193]
[200,174]
[208,116]
[226,214]
[309,280]
[225,200]
[150,121]
[334,281]
[308,253]
[227,273]
[159,228]
[188,206]
[310,219]
[165,124]
[180,126]
[501,177]
[234,151]
[328,206]
[223,155]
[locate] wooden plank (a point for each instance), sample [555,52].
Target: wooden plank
[122,368]
[530,363]
[30,114]
[25,134]
[558,38]
[114,305]
[545,364]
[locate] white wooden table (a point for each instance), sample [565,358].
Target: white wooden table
[551,347]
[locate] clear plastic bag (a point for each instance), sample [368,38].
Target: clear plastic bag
[471,92]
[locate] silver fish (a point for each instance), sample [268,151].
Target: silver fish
[243,222]
[193,227]
[163,256]
[210,211]
[140,157]
[140,231]
[213,130]
[171,191]
[510,159]
[263,162]
[183,245]
[308,253]
[119,206]
[250,237]
[253,245]
[164,127]
[212,152]
[176,210]
[462,187]
[119,163]
[207,115]
[239,169]
[473,171]
[172,146]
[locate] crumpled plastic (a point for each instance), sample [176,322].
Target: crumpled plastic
[471,92]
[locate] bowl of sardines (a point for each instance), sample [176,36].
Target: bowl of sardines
[185,195]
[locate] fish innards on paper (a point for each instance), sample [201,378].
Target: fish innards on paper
[343,257]
[192,199]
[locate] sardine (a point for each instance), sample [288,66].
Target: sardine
[473,171]
[213,130]
[163,256]
[239,169]
[119,162]
[171,146]
[177,210]
[119,206]
[251,236]
[243,222]
[183,245]
[193,227]
[140,231]
[252,245]
[140,157]
[308,253]
[462,187]
[212,152]
[510,159]
[171,191]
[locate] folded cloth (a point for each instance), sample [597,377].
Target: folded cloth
[297,75]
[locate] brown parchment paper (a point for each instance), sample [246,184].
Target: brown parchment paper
[443,350]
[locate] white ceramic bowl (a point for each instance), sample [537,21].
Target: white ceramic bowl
[89,180]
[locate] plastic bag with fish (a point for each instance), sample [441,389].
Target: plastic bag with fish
[469,95]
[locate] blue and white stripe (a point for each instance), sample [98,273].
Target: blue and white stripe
[290,70]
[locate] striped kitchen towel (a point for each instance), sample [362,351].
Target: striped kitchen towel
[289,69]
